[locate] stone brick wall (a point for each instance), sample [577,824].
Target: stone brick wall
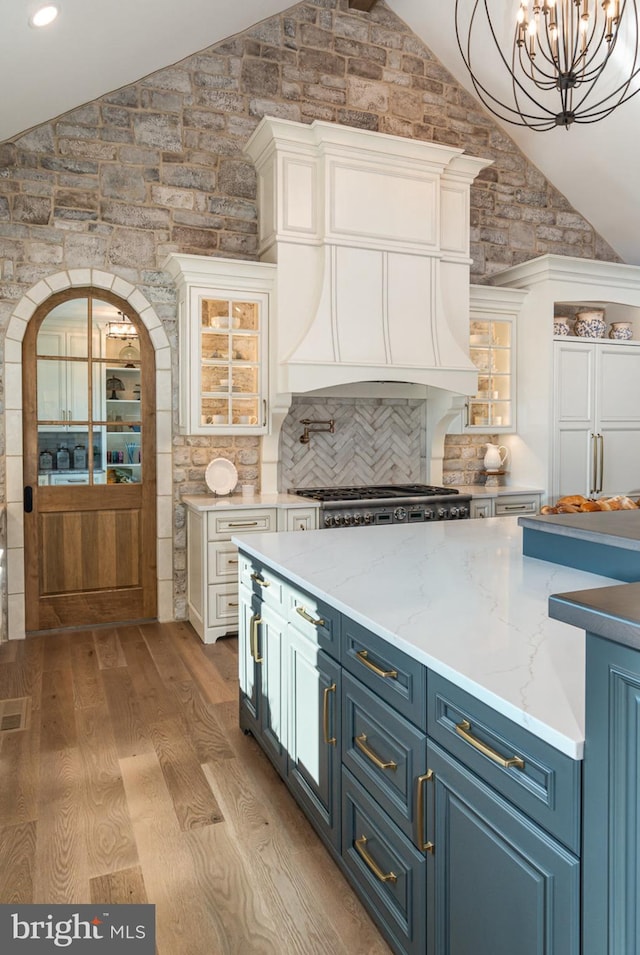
[158,166]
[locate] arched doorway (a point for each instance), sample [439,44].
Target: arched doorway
[89,463]
[13,375]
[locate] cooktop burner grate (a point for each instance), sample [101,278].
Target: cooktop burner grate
[372,492]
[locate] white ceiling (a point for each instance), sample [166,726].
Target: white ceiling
[95,48]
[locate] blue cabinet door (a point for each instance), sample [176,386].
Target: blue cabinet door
[611,836]
[248,667]
[498,884]
[313,733]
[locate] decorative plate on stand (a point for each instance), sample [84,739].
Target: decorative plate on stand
[221,476]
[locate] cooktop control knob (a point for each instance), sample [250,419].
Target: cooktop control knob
[442,513]
[463,511]
[368,518]
[400,514]
[357,519]
[347,520]
[454,512]
[428,514]
[328,521]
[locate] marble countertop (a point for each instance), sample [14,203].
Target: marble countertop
[461,598]
[481,490]
[619,528]
[209,502]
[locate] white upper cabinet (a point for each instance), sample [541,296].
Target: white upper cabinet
[223,314]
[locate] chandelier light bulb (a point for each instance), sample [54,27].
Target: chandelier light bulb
[44,15]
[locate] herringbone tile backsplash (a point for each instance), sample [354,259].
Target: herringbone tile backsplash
[376,441]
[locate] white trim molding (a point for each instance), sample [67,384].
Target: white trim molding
[75,278]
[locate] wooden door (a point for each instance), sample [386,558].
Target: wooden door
[90,530]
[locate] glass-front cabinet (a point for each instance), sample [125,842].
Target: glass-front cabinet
[223,328]
[492,349]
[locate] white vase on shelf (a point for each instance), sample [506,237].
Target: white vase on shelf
[495,457]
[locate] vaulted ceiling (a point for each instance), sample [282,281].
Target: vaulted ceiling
[95,48]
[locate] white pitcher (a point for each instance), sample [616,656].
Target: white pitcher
[495,457]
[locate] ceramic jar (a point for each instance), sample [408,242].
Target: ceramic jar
[621,331]
[590,324]
[560,325]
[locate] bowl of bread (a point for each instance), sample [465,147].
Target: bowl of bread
[577,504]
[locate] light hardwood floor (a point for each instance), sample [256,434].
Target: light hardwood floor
[133,783]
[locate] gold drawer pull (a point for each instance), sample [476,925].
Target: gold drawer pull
[232,560]
[330,740]
[260,580]
[371,864]
[233,603]
[363,655]
[361,743]
[424,846]
[243,523]
[316,621]
[464,729]
[255,621]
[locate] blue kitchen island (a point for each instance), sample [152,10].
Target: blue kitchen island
[428,714]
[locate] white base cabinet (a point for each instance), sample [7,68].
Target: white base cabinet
[212,560]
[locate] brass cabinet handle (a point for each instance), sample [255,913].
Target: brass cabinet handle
[330,740]
[232,560]
[361,743]
[260,580]
[601,481]
[422,845]
[463,729]
[515,507]
[316,621]
[243,523]
[233,603]
[594,466]
[256,620]
[371,863]
[363,655]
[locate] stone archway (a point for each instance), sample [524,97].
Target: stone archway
[25,308]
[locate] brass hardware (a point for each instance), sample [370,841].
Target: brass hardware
[264,412]
[463,729]
[233,604]
[316,621]
[601,481]
[243,523]
[361,743]
[375,868]
[594,476]
[362,655]
[260,580]
[310,428]
[232,560]
[256,620]
[330,740]
[422,845]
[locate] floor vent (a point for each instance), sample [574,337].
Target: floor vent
[14,714]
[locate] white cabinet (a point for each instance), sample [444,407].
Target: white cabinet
[505,505]
[596,418]
[492,349]
[62,386]
[223,307]
[481,509]
[212,560]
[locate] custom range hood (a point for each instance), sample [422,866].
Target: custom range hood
[370,234]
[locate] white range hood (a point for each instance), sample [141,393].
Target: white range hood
[370,234]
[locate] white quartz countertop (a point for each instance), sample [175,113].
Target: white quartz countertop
[461,598]
[210,502]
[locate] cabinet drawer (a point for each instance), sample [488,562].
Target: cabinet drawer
[546,786]
[222,605]
[516,504]
[301,519]
[385,752]
[315,619]
[222,562]
[391,674]
[387,871]
[262,582]
[222,524]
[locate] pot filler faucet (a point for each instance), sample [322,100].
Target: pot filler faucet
[315,427]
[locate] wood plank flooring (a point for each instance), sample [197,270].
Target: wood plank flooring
[134,783]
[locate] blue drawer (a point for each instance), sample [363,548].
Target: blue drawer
[386,870]
[545,784]
[394,676]
[384,751]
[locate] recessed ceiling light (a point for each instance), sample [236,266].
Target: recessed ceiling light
[44,15]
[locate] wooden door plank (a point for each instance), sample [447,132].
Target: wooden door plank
[17,851]
[110,840]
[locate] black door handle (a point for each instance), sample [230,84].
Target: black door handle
[28,499]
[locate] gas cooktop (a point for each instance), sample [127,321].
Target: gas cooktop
[373,492]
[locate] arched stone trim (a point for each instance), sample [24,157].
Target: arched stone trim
[74,278]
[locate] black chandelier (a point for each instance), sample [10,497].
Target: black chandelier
[571,61]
